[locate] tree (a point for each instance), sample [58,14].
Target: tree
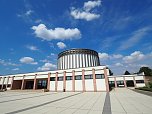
[127,73]
[146,70]
[110,72]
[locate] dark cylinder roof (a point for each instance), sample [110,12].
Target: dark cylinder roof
[77,51]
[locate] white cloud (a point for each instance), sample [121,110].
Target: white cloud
[45,61]
[135,38]
[46,67]
[132,62]
[29,12]
[33,48]
[135,56]
[25,14]
[15,69]
[118,64]
[43,32]
[7,63]
[84,13]
[28,60]
[103,56]
[91,4]
[52,54]
[117,56]
[61,45]
[38,21]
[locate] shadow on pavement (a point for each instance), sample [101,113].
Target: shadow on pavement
[107,105]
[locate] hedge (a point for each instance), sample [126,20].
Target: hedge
[144,89]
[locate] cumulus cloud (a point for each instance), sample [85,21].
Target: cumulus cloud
[91,4]
[103,56]
[61,45]
[132,62]
[31,47]
[85,12]
[117,56]
[44,33]
[135,56]
[84,15]
[46,67]
[28,60]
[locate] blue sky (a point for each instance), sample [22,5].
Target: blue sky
[33,32]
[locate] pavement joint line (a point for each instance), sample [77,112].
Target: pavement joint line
[18,95]
[143,104]
[72,99]
[142,92]
[82,105]
[25,98]
[32,107]
[120,103]
[94,103]
[138,100]
[132,103]
[73,104]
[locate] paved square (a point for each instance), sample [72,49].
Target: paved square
[118,101]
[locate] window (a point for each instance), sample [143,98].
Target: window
[78,77]
[60,78]
[99,76]
[120,82]
[42,84]
[139,81]
[111,82]
[52,78]
[9,85]
[68,77]
[88,77]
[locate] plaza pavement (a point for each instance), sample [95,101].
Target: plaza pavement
[118,101]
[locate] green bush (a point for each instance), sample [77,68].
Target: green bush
[149,85]
[144,89]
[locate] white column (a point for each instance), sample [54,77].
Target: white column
[74,61]
[89,64]
[77,60]
[65,62]
[71,61]
[86,60]
[3,83]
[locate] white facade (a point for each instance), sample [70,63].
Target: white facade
[127,80]
[84,80]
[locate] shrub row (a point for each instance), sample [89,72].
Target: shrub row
[144,89]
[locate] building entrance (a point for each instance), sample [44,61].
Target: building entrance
[130,83]
[29,84]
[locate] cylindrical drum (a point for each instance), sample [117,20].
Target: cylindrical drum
[77,58]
